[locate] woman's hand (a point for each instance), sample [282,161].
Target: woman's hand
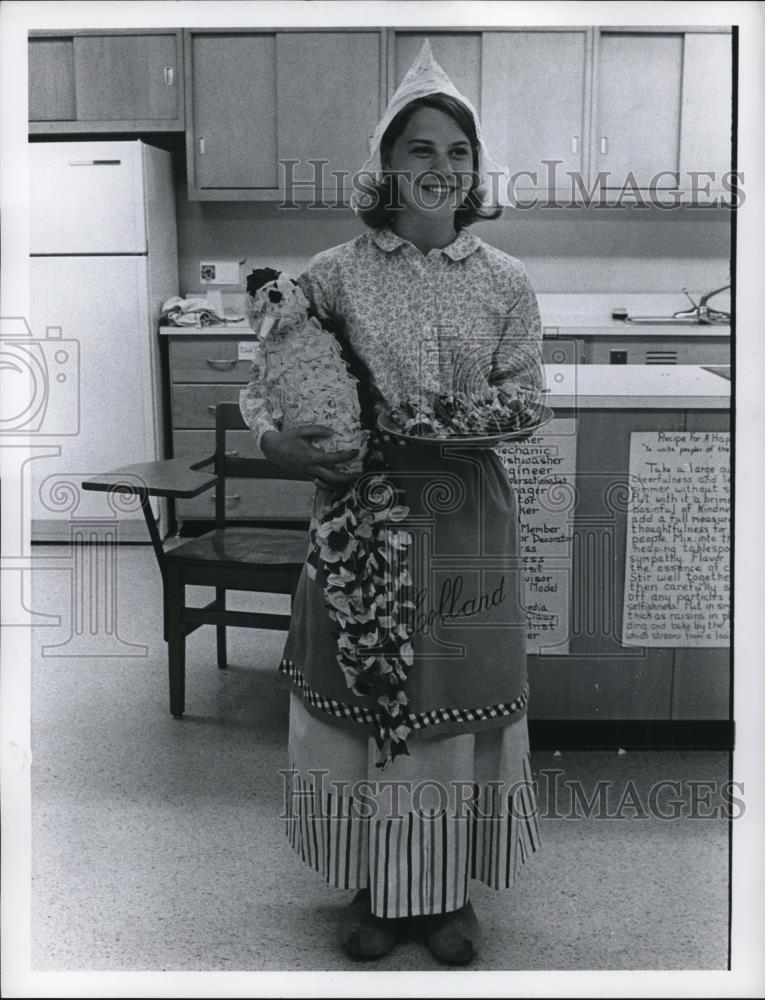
[292,450]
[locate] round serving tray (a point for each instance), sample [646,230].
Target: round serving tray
[543,416]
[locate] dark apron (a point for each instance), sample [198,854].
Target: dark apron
[470,625]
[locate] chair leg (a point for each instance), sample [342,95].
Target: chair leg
[220,630]
[176,641]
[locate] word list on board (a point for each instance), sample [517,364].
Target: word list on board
[677,587]
[542,471]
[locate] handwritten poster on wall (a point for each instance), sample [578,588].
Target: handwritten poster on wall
[542,470]
[677,587]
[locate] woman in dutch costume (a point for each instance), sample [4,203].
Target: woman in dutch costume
[409,760]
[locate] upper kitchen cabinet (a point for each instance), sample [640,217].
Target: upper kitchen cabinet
[96,81]
[575,110]
[51,82]
[534,123]
[636,121]
[661,108]
[231,143]
[706,120]
[280,114]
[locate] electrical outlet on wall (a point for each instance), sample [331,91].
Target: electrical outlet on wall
[219,272]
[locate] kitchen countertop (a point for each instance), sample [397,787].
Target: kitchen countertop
[572,314]
[675,387]
[581,328]
[228,330]
[619,328]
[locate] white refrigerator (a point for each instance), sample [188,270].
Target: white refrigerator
[104,257]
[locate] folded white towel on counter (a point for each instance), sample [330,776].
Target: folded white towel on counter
[196,311]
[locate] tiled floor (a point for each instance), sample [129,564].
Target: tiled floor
[157,843]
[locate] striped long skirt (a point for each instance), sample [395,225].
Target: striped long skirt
[458,808]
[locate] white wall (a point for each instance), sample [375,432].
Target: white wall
[564,250]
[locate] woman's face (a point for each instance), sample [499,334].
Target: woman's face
[434,161]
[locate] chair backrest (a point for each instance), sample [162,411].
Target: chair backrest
[228,465]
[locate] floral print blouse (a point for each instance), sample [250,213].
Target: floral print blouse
[445,321]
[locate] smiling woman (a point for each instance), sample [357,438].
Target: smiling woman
[424,307]
[430,158]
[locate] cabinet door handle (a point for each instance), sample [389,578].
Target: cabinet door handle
[201,145]
[231,498]
[575,144]
[221,364]
[231,454]
[603,145]
[167,72]
[212,406]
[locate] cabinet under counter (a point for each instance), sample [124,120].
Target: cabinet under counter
[207,366]
[622,344]
[613,520]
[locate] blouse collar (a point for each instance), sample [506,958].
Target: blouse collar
[462,246]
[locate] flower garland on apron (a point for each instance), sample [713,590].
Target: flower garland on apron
[360,555]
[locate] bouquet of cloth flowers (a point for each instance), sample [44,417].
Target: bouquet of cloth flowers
[359,549]
[304,377]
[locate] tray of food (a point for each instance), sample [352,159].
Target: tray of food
[458,418]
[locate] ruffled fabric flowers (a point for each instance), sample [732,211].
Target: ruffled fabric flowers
[359,551]
[306,378]
[360,556]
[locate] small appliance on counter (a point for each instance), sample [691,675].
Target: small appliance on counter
[701,314]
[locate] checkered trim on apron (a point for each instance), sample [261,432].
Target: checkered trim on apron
[419,720]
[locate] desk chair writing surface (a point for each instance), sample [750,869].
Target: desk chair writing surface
[231,557]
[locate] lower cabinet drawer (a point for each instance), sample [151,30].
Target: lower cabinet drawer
[268,499]
[208,359]
[194,405]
